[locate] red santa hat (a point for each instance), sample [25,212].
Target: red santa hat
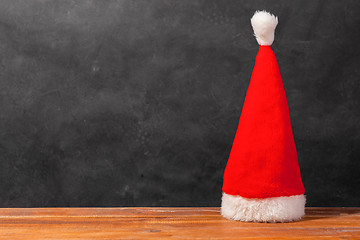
[262,181]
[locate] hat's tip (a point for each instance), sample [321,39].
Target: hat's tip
[264,24]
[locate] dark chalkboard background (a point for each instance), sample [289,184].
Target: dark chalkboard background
[136,102]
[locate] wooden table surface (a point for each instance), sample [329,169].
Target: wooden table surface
[169,223]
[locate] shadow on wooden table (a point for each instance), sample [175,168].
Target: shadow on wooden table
[315,213]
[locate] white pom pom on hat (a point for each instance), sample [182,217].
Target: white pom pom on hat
[264,24]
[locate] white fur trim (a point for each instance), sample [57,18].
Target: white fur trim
[264,25]
[277,209]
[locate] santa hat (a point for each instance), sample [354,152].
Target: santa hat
[262,181]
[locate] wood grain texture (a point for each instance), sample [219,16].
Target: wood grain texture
[169,223]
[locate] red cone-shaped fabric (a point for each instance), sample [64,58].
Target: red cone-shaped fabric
[263,161]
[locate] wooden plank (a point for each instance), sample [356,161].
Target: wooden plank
[169,223]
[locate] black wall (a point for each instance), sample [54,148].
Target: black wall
[136,103]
